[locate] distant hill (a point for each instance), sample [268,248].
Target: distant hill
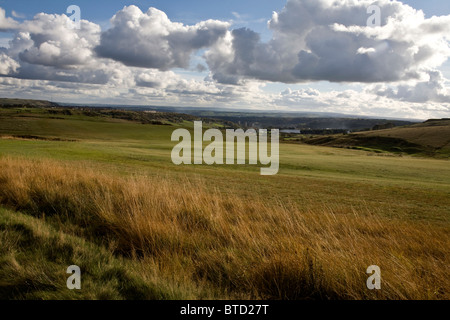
[14,103]
[310,122]
[430,138]
[303,122]
[35,109]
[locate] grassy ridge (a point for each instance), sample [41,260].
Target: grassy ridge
[14,103]
[431,138]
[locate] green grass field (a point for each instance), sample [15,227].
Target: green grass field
[405,191]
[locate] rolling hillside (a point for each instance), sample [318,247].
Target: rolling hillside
[13,103]
[430,138]
[98,189]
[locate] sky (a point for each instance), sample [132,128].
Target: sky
[285,55]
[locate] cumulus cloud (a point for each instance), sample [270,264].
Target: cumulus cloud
[49,40]
[358,102]
[329,40]
[7,23]
[154,78]
[7,65]
[432,90]
[48,48]
[151,40]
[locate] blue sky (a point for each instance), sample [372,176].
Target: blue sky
[406,95]
[189,12]
[185,11]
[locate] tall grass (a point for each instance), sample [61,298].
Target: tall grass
[247,247]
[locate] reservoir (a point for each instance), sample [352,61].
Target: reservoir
[290,131]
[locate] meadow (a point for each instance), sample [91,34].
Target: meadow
[103,194]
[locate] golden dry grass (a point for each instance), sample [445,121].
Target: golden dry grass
[244,247]
[435,133]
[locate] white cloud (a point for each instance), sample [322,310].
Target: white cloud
[51,42]
[151,40]
[316,40]
[46,48]
[432,90]
[366,51]
[359,102]
[7,65]
[18,15]
[7,23]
